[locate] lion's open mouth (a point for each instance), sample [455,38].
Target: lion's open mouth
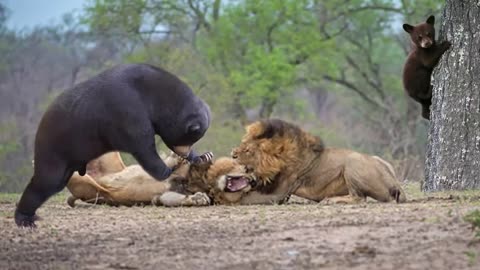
[237,182]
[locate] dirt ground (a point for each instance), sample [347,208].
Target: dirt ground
[428,233]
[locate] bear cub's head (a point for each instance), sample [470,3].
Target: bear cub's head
[422,35]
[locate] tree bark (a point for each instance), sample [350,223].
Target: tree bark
[453,153]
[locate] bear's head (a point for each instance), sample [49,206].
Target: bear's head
[185,126]
[422,35]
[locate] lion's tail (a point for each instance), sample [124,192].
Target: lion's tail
[98,186]
[396,190]
[89,180]
[389,166]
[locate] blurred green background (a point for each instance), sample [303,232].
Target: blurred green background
[333,67]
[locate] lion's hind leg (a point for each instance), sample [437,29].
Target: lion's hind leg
[365,178]
[347,199]
[71,201]
[98,200]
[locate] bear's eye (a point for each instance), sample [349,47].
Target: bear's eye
[419,36]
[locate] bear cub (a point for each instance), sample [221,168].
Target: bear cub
[421,60]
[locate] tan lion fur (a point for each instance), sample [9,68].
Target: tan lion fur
[188,185]
[287,160]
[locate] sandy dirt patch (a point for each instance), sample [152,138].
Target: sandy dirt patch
[424,234]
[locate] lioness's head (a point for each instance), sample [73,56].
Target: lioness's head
[271,146]
[225,180]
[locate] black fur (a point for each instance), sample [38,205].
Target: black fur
[120,109]
[420,62]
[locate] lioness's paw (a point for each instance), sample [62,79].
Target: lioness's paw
[199,199]
[156,200]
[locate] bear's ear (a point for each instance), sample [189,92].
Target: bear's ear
[431,20]
[408,28]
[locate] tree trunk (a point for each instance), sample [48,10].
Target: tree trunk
[453,154]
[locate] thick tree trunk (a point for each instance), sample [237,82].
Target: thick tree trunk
[453,154]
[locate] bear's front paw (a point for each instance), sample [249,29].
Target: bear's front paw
[446,45]
[165,174]
[204,158]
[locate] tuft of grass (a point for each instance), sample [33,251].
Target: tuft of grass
[472,257]
[9,197]
[14,197]
[474,219]
[414,191]
[60,197]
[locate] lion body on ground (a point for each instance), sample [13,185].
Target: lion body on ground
[111,182]
[286,161]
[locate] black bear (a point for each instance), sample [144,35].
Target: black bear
[119,109]
[421,60]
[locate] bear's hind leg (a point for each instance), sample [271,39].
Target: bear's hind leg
[426,111]
[49,178]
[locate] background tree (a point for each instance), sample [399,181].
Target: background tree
[454,141]
[35,66]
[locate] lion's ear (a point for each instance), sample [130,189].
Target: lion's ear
[268,132]
[271,127]
[317,144]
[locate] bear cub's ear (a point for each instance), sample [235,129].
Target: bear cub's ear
[408,28]
[431,20]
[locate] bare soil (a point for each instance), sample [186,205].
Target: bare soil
[427,233]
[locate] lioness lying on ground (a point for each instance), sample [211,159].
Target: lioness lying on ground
[109,181]
[287,160]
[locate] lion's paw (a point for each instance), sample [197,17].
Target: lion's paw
[156,200]
[199,199]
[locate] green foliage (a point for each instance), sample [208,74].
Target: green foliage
[266,77]
[265,48]
[7,142]
[474,219]
[8,145]
[125,16]
[3,15]
[221,138]
[47,101]
[259,46]
[472,257]
[185,63]
[247,59]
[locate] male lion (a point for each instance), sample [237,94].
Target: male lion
[108,181]
[287,160]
